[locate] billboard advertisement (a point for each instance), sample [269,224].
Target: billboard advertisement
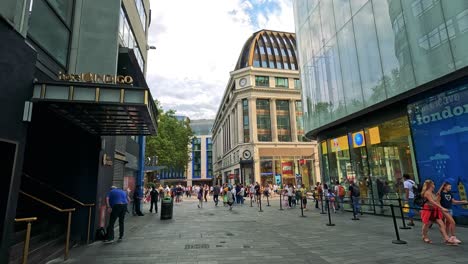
[439,126]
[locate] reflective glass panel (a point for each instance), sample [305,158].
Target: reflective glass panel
[456,15]
[342,12]
[373,85]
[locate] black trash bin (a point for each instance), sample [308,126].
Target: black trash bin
[167,206]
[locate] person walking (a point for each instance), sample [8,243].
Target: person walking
[154,199]
[206,189]
[242,194]
[230,198]
[408,185]
[116,202]
[290,195]
[200,197]
[303,191]
[258,192]
[354,194]
[446,200]
[216,194]
[431,212]
[137,197]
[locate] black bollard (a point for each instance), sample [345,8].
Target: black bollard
[329,216]
[260,202]
[268,199]
[281,203]
[302,209]
[402,216]
[354,209]
[321,204]
[397,241]
[251,197]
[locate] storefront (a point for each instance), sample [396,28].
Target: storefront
[439,124]
[286,171]
[426,142]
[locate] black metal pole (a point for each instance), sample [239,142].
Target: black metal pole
[329,216]
[397,241]
[281,203]
[354,209]
[260,202]
[402,216]
[321,204]
[302,209]
[268,199]
[251,197]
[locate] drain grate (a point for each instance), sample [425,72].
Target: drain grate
[197,246]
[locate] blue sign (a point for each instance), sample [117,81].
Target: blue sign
[278,179]
[358,139]
[440,131]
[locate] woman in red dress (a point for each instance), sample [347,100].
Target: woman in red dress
[431,212]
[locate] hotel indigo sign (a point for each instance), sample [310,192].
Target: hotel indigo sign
[96,78]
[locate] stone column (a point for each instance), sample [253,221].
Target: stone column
[274,125]
[292,116]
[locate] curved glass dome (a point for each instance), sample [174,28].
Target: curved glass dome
[269,49]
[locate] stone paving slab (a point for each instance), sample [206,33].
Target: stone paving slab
[245,235]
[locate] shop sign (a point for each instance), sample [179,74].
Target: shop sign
[106,160]
[95,78]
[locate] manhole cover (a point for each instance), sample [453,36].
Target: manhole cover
[247,246]
[197,246]
[229,234]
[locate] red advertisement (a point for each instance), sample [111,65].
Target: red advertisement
[287,167]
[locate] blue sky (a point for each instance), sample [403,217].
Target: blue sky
[198,45]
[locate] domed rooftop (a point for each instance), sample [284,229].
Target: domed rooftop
[269,49]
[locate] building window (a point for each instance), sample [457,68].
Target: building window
[209,158]
[127,38]
[263,120]
[141,13]
[49,29]
[297,84]
[262,81]
[196,158]
[283,121]
[245,119]
[281,82]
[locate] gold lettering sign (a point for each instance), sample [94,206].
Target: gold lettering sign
[96,78]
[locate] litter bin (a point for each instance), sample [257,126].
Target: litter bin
[167,206]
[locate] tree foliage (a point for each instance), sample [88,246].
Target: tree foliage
[171,143]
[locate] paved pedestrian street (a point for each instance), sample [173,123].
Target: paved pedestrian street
[245,235]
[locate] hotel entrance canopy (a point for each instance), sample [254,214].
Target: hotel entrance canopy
[101,109]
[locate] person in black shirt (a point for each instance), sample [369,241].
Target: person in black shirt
[446,200]
[154,200]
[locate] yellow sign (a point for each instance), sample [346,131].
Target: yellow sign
[324,147]
[339,144]
[96,78]
[374,135]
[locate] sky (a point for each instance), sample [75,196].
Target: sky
[197,45]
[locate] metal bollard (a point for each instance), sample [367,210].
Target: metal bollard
[354,209]
[302,209]
[251,197]
[260,202]
[402,216]
[397,241]
[281,203]
[321,204]
[329,216]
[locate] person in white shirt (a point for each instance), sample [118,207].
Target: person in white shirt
[409,197]
[290,195]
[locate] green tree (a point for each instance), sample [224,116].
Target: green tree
[171,143]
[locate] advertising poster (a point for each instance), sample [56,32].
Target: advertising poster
[287,168]
[278,179]
[440,133]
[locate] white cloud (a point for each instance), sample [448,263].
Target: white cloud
[439,156]
[454,130]
[198,44]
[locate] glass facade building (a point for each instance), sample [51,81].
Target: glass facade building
[367,67]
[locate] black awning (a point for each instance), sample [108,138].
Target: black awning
[101,109]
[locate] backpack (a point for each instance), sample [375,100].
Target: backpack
[356,191]
[341,191]
[418,199]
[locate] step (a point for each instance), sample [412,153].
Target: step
[40,250]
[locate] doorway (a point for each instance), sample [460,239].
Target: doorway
[7,165]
